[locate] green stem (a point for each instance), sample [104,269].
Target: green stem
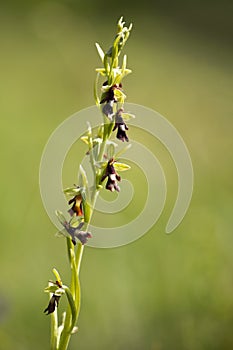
[79,255]
[73,309]
[64,340]
[71,313]
[74,295]
[60,336]
[54,329]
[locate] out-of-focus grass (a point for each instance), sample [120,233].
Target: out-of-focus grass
[161,292]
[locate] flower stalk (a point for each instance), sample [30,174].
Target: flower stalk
[81,198]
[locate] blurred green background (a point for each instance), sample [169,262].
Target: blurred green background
[160,292]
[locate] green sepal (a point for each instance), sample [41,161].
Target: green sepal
[100,132]
[57,275]
[119,95]
[51,289]
[118,75]
[100,52]
[85,139]
[75,221]
[55,290]
[72,191]
[101,165]
[95,151]
[128,116]
[96,96]
[121,166]
[102,71]
[60,216]
[110,150]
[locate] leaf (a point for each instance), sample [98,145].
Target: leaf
[100,51]
[121,166]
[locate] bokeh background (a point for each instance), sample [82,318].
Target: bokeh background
[161,292]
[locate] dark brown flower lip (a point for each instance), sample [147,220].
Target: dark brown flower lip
[121,126]
[53,303]
[76,233]
[109,94]
[77,207]
[112,176]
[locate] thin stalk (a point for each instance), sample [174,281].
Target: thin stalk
[64,340]
[75,263]
[69,317]
[54,329]
[79,255]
